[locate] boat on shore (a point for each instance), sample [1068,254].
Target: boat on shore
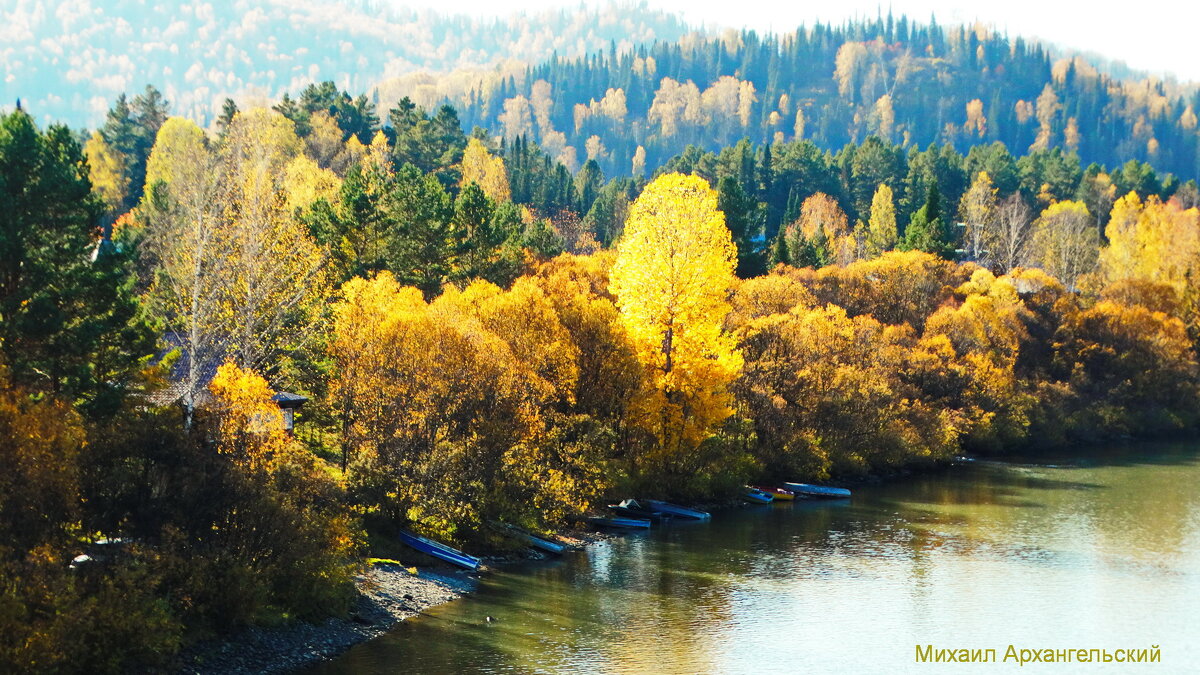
[621,523]
[676,510]
[780,494]
[535,541]
[817,491]
[756,496]
[440,551]
[632,508]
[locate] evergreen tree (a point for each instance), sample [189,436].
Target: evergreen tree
[228,110]
[927,231]
[67,314]
[588,182]
[779,251]
[427,244]
[742,219]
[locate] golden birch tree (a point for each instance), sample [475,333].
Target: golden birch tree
[675,265]
[977,210]
[881,229]
[107,171]
[485,170]
[1066,241]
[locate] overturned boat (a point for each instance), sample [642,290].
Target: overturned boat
[632,508]
[676,510]
[817,491]
[540,543]
[621,523]
[439,551]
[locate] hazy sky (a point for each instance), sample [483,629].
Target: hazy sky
[1153,35]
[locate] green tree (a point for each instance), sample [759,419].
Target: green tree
[427,244]
[743,217]
[927,230]
[228,110]
[66,314]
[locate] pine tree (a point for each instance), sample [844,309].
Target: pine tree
[779,251]
[228,110]
[66,308]
[741,216]
[927,230]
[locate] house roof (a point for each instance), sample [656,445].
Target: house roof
[177,378]
[286,399]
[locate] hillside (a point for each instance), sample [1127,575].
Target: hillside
[68,59]
[908,83]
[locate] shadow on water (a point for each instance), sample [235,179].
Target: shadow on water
[1176,452]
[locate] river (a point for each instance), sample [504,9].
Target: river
[1100,549]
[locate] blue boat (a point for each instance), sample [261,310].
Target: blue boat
[439,551]
[631,508]
[817,491]
[534,541]
[676,510]
[757,496]
[624,523]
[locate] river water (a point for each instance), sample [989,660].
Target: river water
[1095,550]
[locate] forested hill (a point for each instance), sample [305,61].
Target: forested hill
[906,82]
[68,59]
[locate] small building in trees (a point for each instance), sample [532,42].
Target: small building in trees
[177,384]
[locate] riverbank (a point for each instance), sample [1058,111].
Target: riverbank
[388,594]
[1092,546]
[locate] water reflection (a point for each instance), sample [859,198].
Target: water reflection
[1069,552]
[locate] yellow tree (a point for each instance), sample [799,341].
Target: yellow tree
[306,183]
[236,273]
[184,244]
[977,209]
[324,142]
[881,229]
[1157,242]
[485,170]
[248,424]
[674,268]
[1119,258]
[821,213]
[1066,241]
[639,161]
[107,171]
[275,278]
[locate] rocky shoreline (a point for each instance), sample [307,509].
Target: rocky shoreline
[388,594]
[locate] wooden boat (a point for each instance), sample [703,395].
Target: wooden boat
[537,542]
[621,523]
[676,510]
[780,494]
[439,551]
[631,508]
[757,496]
[817,491]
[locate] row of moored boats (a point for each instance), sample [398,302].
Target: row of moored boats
[629,514]
[641,514]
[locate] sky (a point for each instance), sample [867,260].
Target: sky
[1157,36]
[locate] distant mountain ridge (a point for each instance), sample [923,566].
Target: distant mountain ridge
[623,84]
[908,83]
[68,59]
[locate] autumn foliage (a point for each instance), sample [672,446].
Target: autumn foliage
[462,371]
